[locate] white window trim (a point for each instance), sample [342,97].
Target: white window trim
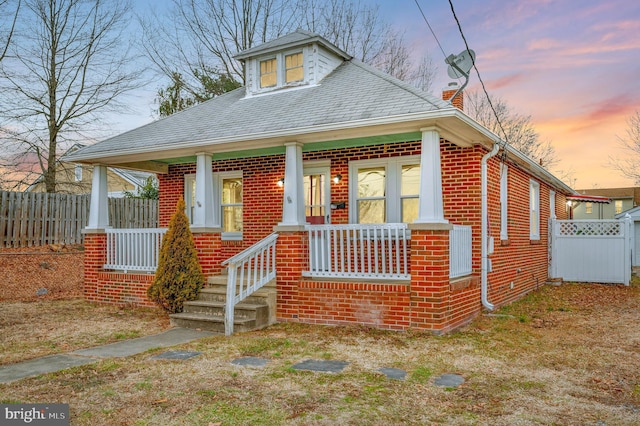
[552,204]
[281,70]
[189,181]
[534,209]
[259,73]
[393,193]
[504,199]
[219,177]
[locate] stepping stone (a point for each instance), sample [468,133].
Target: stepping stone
[321,365]
[177,355]
[449,380]
[250,361]
[393,373]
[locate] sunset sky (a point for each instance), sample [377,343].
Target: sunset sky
[574,66]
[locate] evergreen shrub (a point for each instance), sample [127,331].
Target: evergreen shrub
[179,276]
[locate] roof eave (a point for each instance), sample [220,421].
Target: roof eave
[444,119]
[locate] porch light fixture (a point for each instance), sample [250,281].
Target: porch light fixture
[281,182]
[337,178]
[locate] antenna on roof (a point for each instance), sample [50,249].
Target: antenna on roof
[459,66]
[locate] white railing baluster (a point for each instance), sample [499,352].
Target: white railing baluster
[362,251]
[254,273]
[133,249]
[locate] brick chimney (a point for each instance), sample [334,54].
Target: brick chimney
[449,91]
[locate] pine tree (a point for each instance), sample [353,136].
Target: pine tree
[179,276]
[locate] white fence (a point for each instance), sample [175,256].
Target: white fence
[133,249]
[460,251]
[591,250]
[249,271]
[359,251]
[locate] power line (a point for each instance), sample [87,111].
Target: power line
[431,29]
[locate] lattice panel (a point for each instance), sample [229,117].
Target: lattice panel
[591,228]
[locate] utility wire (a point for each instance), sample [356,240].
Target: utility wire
[431,29]
[481,82]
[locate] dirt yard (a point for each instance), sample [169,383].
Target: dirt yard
[567,355]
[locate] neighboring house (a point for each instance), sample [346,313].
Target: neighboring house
[420,218]
[607,202]
[75,178]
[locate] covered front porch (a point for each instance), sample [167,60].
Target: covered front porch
[417,275]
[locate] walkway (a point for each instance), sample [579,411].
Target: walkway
[53,363]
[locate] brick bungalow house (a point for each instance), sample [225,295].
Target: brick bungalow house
[366,200]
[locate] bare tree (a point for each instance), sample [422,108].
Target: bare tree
[8,9]
[69,65]
[202,36]
[516,129]
[629,166]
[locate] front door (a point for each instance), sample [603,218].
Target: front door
[317,212]
[316,195]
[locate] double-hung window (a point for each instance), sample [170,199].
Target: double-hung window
[534,208]
[504,200]
[231,204]
[227,197]
[268,73]
[282,69]
[385,190]
[294,70]
[618,206]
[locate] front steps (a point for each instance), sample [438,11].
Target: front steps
[207,312]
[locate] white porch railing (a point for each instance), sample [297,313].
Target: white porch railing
[133,249]
[459,251]
[359,251]
[249,271]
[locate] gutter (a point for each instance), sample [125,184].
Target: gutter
[484,237]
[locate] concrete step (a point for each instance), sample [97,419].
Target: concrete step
[219,294]
[259,312]
[211,323]
[207,312]
[216,280]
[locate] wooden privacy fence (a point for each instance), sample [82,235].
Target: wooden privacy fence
[33,219]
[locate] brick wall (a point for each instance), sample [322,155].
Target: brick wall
[431,302]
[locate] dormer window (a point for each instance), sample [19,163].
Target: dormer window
[268,73]
[294,70]
[291,62]
[281,70]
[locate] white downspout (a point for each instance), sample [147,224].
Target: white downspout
[484,237]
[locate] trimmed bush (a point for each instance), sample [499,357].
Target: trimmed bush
[179,276]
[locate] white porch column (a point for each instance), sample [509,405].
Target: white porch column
[99,208]
[430,208]
[205,213]
[293,198]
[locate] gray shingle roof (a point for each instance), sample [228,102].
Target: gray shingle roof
[296,38]
[354,91]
